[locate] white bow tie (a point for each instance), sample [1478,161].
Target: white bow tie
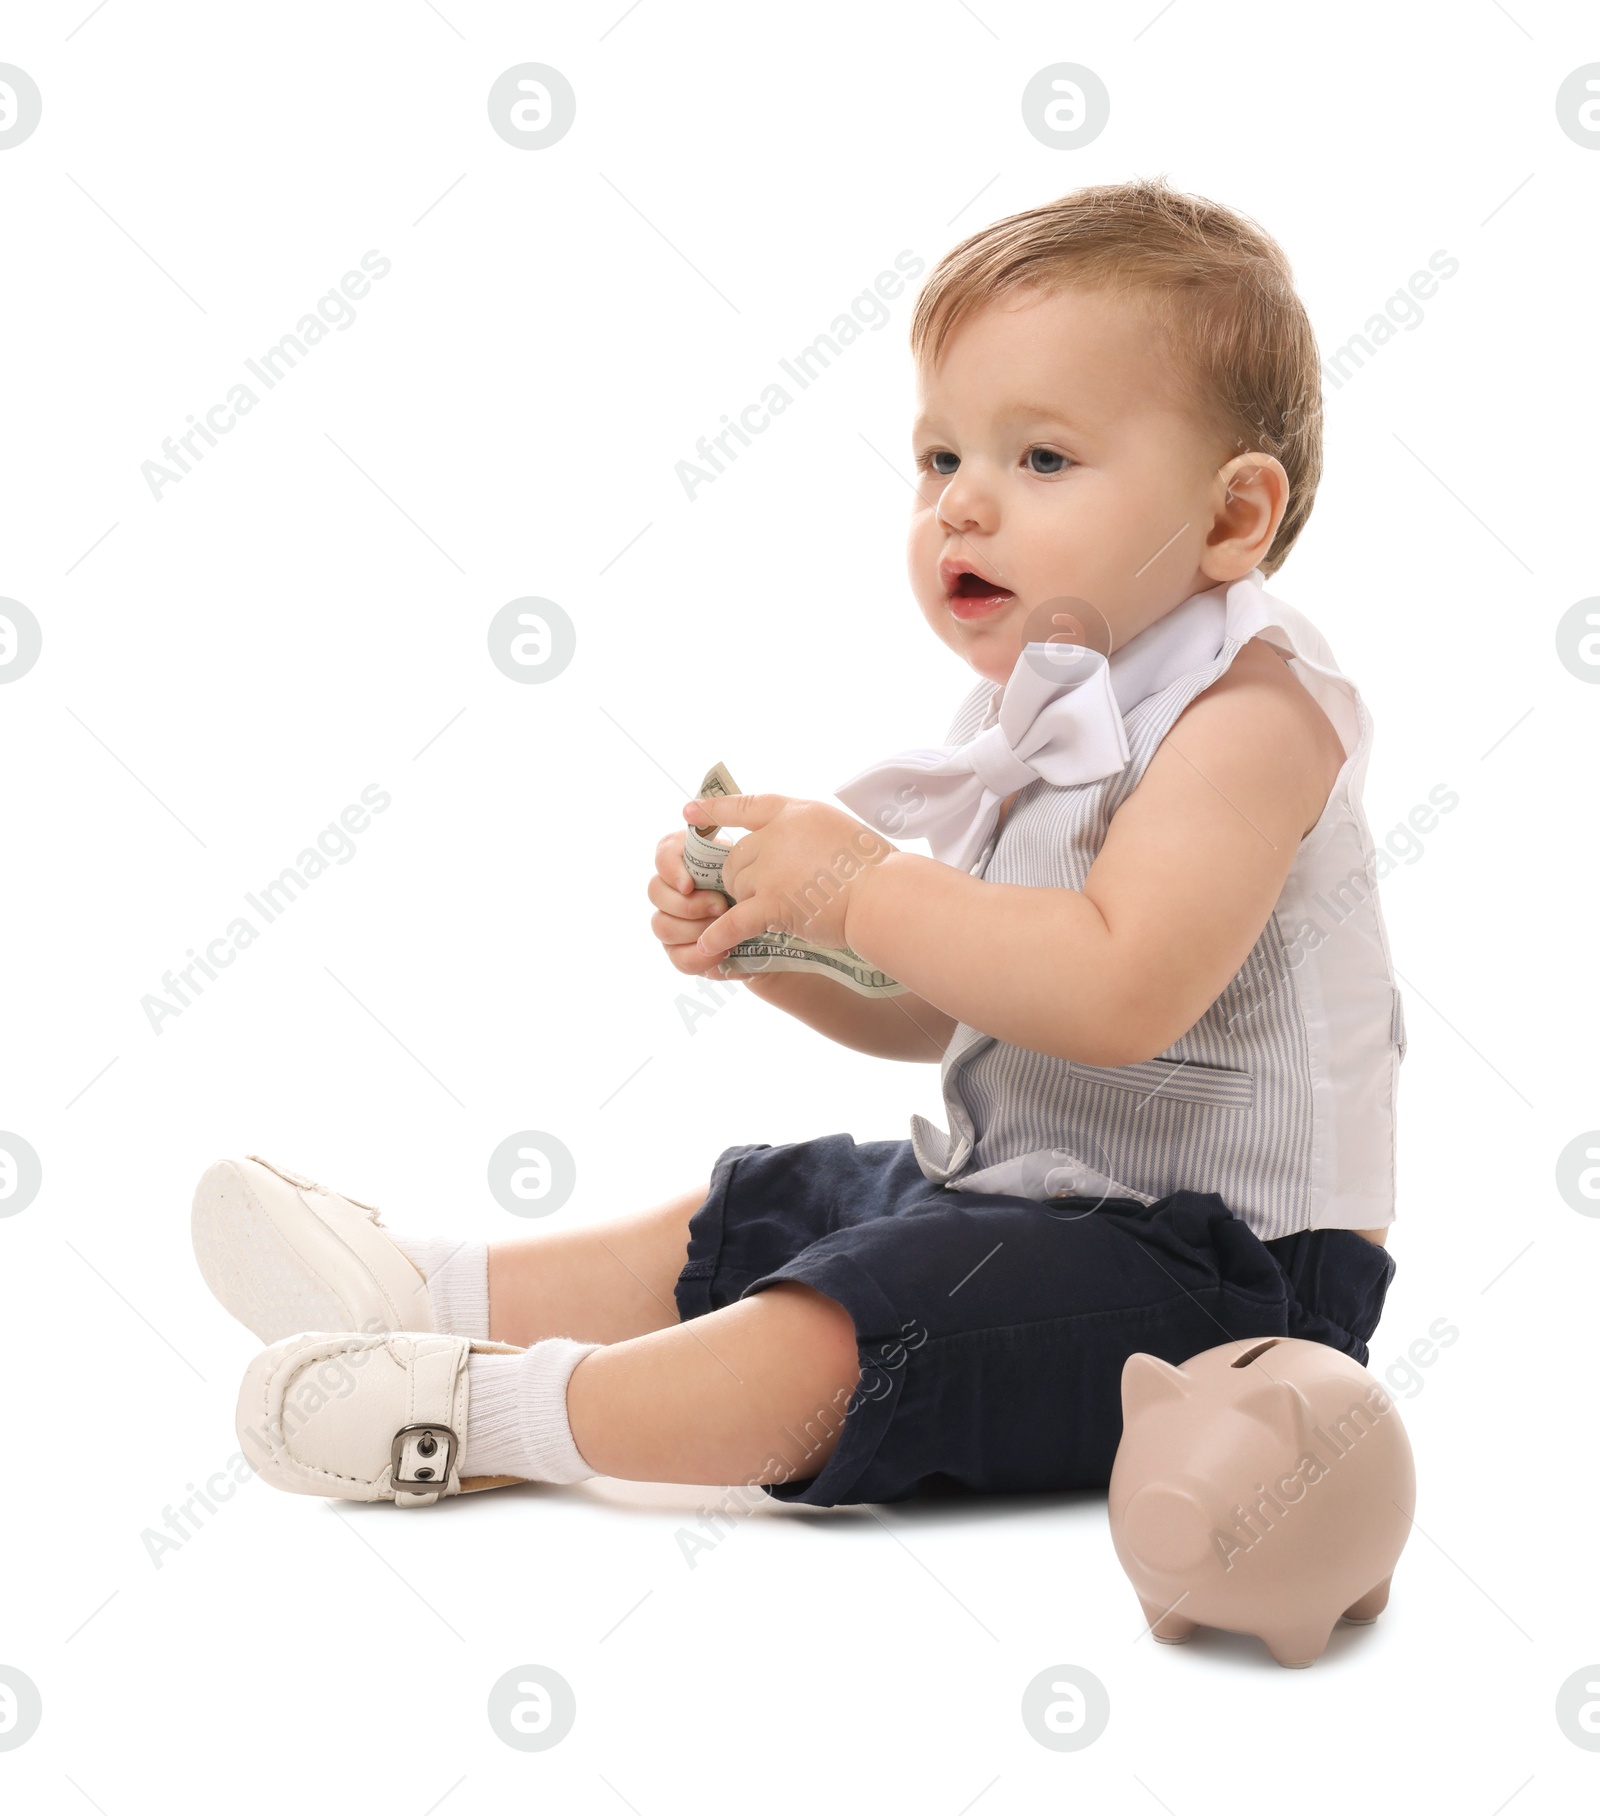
[1060,721]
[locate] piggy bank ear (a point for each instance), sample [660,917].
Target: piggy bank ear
[1148,1381]
[1279,1405]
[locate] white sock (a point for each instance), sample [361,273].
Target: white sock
[517,1414]
[457,1274]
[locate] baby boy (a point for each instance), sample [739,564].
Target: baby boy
[1145,947]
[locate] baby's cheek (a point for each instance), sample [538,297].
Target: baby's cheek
[923,538]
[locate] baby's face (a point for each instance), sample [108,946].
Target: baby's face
[1064,490]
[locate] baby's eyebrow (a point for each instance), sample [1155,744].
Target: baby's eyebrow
[1031,412]
[1019,412]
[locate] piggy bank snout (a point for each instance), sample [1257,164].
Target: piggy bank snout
[1165,1529]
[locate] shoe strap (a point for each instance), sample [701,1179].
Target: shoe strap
[426,1452]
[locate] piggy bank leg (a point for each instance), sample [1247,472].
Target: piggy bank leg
[1296,1646]
[1165,1625]
[1371,1605]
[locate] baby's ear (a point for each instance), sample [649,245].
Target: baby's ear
[1252,496]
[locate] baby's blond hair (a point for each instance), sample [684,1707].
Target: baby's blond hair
[1218,290]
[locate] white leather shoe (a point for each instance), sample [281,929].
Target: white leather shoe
[285,1255]
[360,1417]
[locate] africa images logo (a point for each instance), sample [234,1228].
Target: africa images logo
[334,845]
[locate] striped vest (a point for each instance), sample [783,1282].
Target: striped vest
[1281,1097]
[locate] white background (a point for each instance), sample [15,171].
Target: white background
[278,632]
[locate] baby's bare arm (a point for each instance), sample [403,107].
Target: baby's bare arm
[892,1027]
[1191,867]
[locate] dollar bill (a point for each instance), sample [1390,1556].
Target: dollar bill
[767,952]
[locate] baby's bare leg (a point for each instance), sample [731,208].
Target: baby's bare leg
[602,1284]
[755,1392]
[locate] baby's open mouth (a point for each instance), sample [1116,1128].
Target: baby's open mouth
[974,586]
[974,596]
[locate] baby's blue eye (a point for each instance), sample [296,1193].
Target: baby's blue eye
[944,454]
[1046,454]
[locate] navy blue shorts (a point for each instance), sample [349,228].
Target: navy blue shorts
[991,1329]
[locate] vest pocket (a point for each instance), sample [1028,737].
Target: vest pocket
[1184,1079]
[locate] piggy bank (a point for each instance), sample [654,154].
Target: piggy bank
[1266,1487]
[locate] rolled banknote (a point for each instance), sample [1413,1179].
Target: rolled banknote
[766,952]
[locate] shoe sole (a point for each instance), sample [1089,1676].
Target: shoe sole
[269,1265]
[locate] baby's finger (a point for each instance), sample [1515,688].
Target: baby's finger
[740,922]
[675,934]
[690,961]
[698,906]
[670,866]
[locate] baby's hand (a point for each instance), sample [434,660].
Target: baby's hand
[682,911]
[795,869]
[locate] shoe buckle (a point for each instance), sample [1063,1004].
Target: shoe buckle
[422,1458]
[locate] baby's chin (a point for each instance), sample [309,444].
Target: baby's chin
[996,670]
[991,648]
[992,657]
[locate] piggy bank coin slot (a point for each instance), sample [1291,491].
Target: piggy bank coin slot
[1251,1354]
